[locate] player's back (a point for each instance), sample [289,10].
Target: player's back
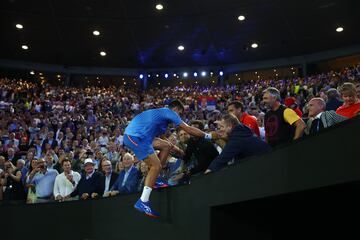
[152,123]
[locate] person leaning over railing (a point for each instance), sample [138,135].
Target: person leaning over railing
[241,142]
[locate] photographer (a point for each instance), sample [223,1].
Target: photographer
[43,179]
[14,190]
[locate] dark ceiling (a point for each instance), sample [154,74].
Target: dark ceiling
[135,35]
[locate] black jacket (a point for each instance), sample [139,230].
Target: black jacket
[199,154]
[242,143]
[91,185]
[113,178]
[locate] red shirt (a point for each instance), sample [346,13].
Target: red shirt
[251,122]
[298,112]
[349,111]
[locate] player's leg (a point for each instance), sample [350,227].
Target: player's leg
[164,147]
[143,204]
[144,151]
[154,169]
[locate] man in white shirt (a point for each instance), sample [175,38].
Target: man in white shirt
[66,182]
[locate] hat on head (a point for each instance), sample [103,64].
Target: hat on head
[89,160]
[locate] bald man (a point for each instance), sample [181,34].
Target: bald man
[319,118]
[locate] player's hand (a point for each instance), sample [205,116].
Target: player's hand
[94,195]
[207,171]
[214,135]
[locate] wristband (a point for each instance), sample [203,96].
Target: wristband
[208,136]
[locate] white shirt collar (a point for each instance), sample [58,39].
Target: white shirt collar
[108,175]
[71,172]
[127,171]
[318,116]
[90,175]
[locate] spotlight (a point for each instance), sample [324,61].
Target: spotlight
[96,33]
[185,74]
[195,74]
[241,18]
[103,54]
[339,29]
[166,75]
[141,76]
[32,72]
[181,48]
[159,7]
[203,73]
[254,45]
[149,75]
[25,47]
[221,73]
[19,26]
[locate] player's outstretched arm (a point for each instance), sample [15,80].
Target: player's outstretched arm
[194,131]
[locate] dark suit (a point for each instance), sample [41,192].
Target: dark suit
[131,183]
[114,176]
[92,185]
[327,119]
[242,143]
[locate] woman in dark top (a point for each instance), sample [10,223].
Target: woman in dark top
[14,189]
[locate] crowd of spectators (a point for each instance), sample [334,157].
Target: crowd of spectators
[64,143]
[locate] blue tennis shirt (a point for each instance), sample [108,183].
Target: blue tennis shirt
[151,123]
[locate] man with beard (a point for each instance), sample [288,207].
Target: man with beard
[282,124]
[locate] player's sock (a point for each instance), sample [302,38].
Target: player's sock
[146,194]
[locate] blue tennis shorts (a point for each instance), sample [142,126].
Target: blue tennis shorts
[141,147]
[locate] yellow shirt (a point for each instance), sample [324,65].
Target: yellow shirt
[290,116]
